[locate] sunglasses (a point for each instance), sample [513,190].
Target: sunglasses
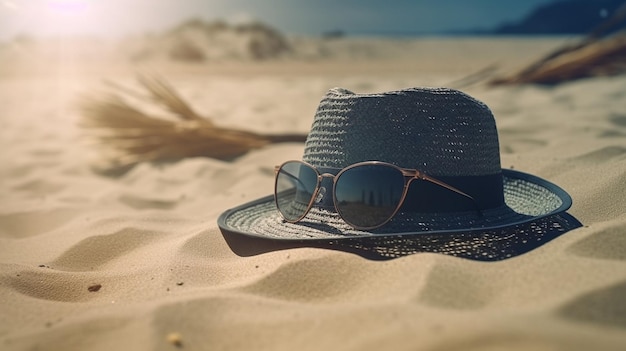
[366,195]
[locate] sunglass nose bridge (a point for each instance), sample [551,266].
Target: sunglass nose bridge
[326,181]
[320,195]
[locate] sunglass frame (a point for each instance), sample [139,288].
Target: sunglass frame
[409,176]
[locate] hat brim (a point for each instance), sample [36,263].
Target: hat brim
[534,222]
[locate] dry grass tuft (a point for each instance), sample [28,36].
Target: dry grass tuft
[606,57]
[129,135]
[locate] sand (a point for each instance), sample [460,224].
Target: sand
[136,262]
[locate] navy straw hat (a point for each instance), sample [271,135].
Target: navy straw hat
[442,132]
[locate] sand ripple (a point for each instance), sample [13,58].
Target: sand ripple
[607,242]
[602,306]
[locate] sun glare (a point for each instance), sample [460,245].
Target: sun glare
[67,7]
[66,16]
[52,17]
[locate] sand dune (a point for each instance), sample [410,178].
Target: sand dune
[199,41]
[137,262]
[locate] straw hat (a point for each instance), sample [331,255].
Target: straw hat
[442,132]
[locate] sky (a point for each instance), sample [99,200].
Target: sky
[116,18]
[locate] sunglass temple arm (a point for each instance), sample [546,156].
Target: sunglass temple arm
[419,175]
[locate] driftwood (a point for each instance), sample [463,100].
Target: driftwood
[597,54]
[606,57]
[130,135]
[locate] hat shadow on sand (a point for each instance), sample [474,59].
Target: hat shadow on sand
[479,245]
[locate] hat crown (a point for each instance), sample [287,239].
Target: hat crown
[440,131]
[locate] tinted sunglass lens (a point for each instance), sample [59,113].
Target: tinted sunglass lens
[295,186]
[367,196]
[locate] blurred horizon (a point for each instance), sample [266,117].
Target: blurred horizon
[118,18]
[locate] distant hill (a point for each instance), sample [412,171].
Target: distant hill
[564,17]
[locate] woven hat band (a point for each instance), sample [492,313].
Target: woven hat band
[442,132]
[426,197]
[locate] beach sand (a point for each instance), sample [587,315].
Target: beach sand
[136,262]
